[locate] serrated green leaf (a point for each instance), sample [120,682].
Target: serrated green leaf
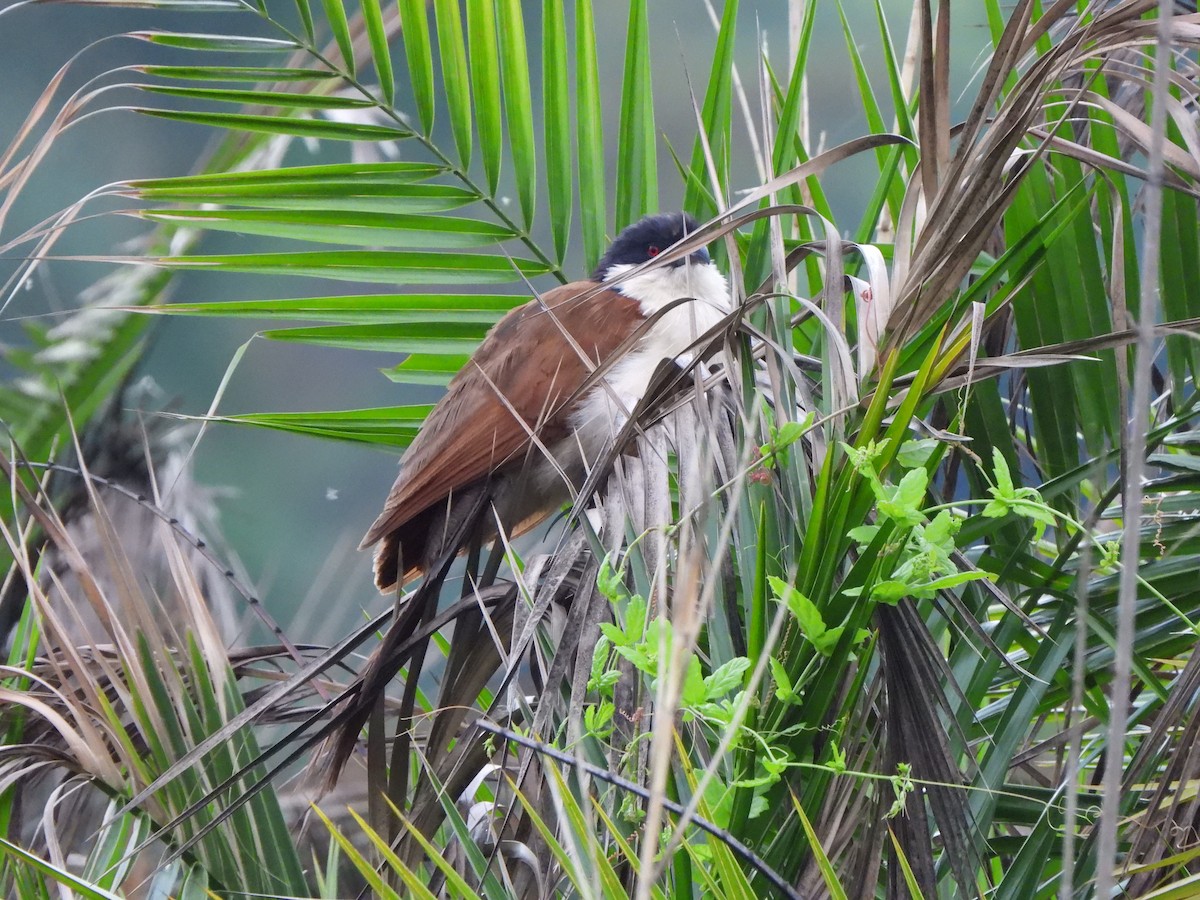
[863,534]
[694,691]
[1003,478]
[600,656]
[904,505]
[806,612]
[783,684]
[913,454]
[949,581]
[727,677]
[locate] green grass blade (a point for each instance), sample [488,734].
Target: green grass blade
[61,876]
[485,86]
[557,118]
[304,11]
[335,13]
[388,426]
[411,337]
[637,177]
[414,22]
[589,120]
[261,98]
[456,76]
[518,106]
[339,177]
[828,873]
[366,868]
[286,125]
[367,229]
[717,118]
[380,51]
[427,368]
[237,73]
[225,43]
[358,308]
[376,266]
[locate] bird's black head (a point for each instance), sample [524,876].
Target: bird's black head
[648,237]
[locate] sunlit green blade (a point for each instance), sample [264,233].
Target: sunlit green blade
[339,227]
[557,119]
[428,368]
[404,199]
[335,14]
[904,120]
[875,121]
[332,179]
[411,337]
[479,308]
[518,106]
[392,426]
[1181,267]
[54,873]
[375,266]
[306,18]
[414,24]
[234,43]
[261,98]
[717,117]
[455,75]
[637,178]
[784,154]
[380,51]
[286,125]
[237,73]
[593,189]
[485,86]
[181,5]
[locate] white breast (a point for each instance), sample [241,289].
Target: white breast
[606,408]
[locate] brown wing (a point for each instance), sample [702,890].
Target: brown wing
[516,382]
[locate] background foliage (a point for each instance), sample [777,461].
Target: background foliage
[916,616]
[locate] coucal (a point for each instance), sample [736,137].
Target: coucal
[520,425]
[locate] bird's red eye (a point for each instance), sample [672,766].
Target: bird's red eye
[653,251]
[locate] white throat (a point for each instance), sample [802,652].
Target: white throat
[659,287]
[606,408]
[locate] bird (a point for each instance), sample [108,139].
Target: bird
[520,425]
